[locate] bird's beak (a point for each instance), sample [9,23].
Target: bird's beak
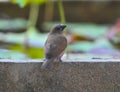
[63,26]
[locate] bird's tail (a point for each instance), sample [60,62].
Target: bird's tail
[46,63]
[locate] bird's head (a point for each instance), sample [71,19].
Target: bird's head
[58,28]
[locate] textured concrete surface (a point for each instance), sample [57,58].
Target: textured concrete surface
[61,77]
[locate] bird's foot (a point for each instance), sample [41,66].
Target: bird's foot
[59,60]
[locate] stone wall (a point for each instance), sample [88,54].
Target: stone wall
[61,77]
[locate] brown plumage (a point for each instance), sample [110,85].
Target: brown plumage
[54,45]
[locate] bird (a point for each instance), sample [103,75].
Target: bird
[55,45]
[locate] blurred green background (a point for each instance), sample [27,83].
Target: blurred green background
[93,28]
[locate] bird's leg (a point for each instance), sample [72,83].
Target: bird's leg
[58,59]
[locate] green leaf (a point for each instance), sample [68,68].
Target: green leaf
[32,52]
[23,3]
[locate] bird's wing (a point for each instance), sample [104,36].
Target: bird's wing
[55,46]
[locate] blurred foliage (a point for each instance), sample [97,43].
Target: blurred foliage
[23,3]
[13,24]
[61,10]
[35,39]
[92,40]
[99,46]
[9,54]
[32,52]
[84,46]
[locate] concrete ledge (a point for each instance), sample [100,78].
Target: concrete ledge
[61,77]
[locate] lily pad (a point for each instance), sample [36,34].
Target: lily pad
[84,46]
[8,54]
[35,39]
[13,24]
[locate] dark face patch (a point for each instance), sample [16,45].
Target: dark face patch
[58,28]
